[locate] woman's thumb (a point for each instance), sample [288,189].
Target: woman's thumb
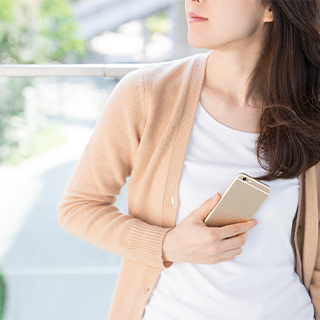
[208,205]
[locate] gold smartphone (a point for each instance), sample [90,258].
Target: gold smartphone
[239,203]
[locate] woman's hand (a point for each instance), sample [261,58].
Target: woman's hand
[192,241]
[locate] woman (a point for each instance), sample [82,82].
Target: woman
[182,130]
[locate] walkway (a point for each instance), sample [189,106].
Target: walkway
[50,274]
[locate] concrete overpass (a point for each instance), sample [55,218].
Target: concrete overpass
[97,16]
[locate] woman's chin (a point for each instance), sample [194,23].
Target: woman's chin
[198,44]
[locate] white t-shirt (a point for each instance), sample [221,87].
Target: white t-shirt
[260,284]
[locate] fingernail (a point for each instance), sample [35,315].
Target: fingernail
[255,222]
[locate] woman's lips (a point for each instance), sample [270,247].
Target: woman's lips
[196,20]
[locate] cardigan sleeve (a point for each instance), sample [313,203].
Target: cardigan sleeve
[87,208]
[315,284]
[315,280]
[315,293]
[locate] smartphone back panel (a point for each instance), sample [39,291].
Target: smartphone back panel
[239,203]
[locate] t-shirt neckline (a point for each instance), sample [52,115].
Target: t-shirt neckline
[218,126]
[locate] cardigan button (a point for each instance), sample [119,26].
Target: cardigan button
[299,230]
[172,200]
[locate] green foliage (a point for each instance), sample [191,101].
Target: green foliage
[11,106]
[38,32]
[60,27]
[32,32]
[6,12]
[44,139]
[158,22]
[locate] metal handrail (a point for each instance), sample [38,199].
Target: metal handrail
[69,70]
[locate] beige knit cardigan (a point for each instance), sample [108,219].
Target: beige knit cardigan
[143,132]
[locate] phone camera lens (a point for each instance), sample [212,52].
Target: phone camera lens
[244,178]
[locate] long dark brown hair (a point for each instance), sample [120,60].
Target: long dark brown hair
[286,77]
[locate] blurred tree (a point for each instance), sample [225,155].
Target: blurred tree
[59,28]
[32,32]
[158,22]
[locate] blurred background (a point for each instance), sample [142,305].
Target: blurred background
[45,123]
